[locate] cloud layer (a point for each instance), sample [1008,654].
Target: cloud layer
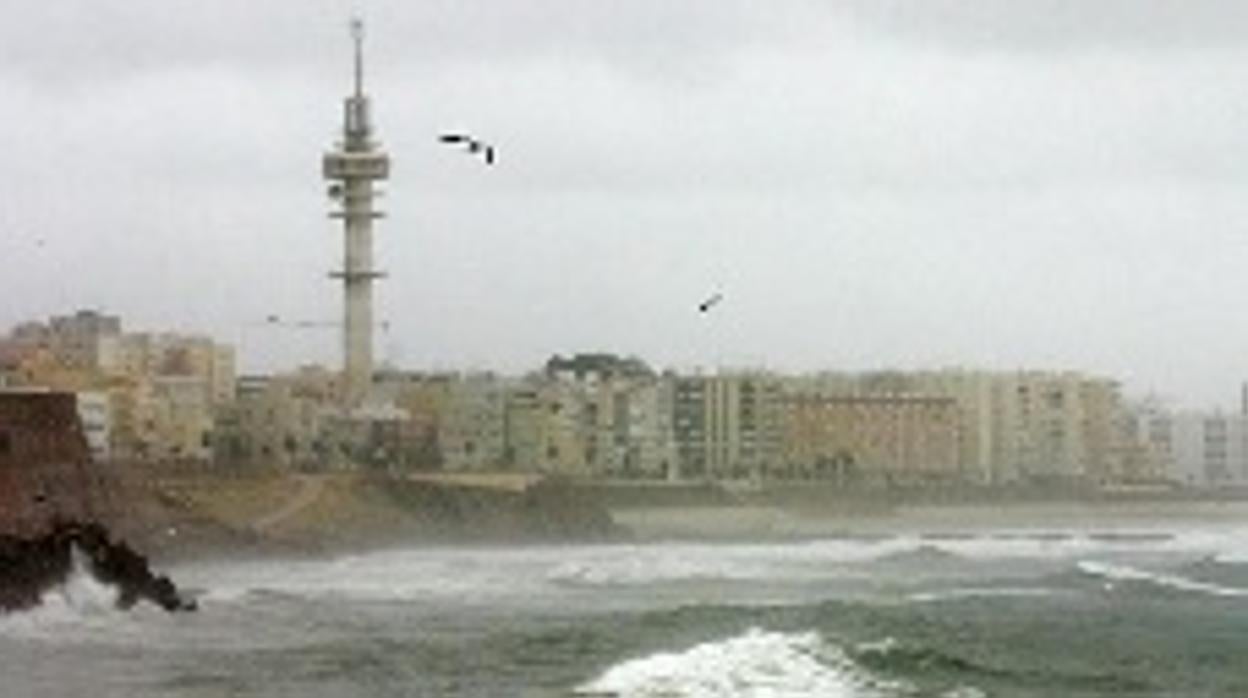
[1055,184]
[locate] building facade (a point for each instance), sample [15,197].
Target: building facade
[1194,449]
[725,426]
[890,439]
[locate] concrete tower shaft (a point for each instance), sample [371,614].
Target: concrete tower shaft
[353,167]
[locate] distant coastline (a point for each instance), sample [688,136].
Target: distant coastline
[197,515]
[188,516]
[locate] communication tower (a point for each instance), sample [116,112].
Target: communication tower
[352,168]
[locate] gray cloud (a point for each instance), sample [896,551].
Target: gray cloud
[79,39]
[1038,25]
[867,187]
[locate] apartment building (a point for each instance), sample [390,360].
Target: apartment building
[889,439]
[1193,448]
[725,426]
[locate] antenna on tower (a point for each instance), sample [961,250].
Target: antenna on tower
[357,35]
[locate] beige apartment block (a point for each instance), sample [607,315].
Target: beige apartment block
[870,438]
[538,437]
[277,421]
[162,418]
[641,438]
[471,414]
[1056,426]
[41,367]
[1013,425]
[168,354]
[550,429]
[973,392]
[624,424]
[425,398]
[565,422]
[525,428]
[76,339]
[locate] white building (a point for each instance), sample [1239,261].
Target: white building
[1197,449]
[95,412]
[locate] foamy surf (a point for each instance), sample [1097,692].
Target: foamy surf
[80,598]
[755,664]
[1124,573]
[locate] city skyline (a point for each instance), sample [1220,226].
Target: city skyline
[971,186]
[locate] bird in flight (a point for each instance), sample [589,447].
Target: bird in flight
[471,145]
[709,303]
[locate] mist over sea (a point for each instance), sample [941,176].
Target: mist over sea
[1158,610]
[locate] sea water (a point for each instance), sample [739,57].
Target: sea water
[986,613]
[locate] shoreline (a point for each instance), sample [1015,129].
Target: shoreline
[178,518]
[748,524]
[761,523]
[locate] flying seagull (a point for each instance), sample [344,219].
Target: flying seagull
[471,145]
[710,302]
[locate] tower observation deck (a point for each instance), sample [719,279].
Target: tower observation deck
[352,167]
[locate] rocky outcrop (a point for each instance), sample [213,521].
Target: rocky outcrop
[30,567]
[54,504]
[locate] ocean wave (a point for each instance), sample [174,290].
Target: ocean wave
[388,576]
[892,656]
[1124,573]
[1002,545]
[959,594]
[964,692]
[79,599]
[637,571]
[1222,545]
[757,663]
[445,575]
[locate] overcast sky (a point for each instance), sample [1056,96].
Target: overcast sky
[870,183]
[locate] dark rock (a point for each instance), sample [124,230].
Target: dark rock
[31,567]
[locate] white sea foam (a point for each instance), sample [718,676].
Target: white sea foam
[753,665]
[437,575]
[642,565]
[1232,558]
[1125,573]
[79,599]
[628,572]
[1232,548]
[84,593]
[529,573]
[964,692]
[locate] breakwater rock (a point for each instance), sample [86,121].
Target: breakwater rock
[30,567]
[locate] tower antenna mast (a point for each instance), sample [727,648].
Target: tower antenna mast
[354,167]
[357,36]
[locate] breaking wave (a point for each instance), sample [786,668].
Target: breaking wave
[79,598]
[527,573]
[1124,573]
[818,559]
[757,663]
[82,592]
[579,574]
